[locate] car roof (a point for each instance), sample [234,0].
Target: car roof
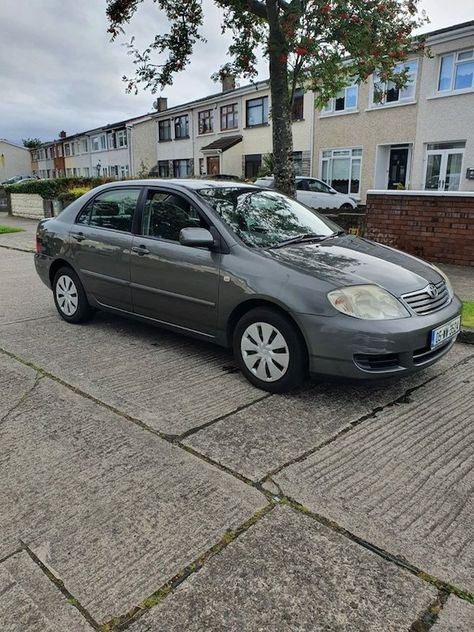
[187,183]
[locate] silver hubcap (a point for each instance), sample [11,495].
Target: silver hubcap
[66,295]
[265,352]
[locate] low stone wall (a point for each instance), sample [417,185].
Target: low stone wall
[352,223]
[436,226]
[30,205]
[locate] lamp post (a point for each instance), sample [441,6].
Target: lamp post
[98,169]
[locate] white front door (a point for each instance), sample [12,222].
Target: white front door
[443,169]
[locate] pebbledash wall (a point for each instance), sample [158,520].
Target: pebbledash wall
[30,205]
[434,226]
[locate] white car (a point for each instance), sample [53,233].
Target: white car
[314,193]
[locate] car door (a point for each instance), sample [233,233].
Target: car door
[100,244]
[307,194]
[170,282]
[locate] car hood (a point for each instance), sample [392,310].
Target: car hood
[348,260]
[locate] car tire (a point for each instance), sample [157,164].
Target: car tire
[346,206]
[270,351]
[70,298]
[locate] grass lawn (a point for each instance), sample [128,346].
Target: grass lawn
[9,229]
[467,317]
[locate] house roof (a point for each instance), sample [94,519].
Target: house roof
[9,142]
[221,144]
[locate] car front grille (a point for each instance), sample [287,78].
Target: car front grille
[422,302]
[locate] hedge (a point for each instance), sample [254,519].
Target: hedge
[52,188]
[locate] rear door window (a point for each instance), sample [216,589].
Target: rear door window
[112,209]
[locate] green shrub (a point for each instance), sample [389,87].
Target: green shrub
[51,189]
[73,194]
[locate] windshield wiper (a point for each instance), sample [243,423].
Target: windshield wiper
[305,237]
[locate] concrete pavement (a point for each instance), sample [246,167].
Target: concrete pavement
[144,485]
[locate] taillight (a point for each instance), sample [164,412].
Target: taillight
[38,244]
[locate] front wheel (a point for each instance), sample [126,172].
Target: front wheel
[270,350]
[70,298]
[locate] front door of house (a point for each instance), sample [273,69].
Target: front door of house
[443,169]
[212,165]
[398,167]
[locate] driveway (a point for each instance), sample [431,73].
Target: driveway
[145,485]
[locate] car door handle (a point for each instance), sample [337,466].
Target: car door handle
[140,250]
[78,236]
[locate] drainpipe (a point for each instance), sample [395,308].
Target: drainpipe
[130,153]
[311,142]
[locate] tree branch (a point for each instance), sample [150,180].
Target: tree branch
[253,6]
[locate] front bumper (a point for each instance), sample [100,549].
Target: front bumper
[349,347]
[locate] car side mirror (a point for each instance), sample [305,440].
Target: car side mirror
[196,237]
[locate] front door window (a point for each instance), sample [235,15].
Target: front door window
[397,169]
[444,167]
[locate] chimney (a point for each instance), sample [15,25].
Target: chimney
[228,83]
[161,104]
[62,134]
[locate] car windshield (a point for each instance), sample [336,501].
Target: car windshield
[265,218]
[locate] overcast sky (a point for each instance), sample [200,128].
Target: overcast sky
[59,70]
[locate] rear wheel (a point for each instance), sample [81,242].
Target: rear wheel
[70,298]
[270,350]
[346,206]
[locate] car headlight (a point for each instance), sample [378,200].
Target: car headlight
[446,280]
[368,302]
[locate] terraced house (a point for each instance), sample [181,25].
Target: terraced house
[228,133]
[421,137]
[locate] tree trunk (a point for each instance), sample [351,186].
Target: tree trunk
[281,107]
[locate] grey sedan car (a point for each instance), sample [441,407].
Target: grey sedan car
[250,269]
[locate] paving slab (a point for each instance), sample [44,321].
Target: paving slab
[456,616]
[289,573]
[16,380]
[30,602]
[112,510]
[404,480]
[24,240]
[462,280]
[23,296]
[171,382]
[274,431]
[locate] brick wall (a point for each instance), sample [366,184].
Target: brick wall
[433,226]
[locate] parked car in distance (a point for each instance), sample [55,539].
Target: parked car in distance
[250,269]
[314,193]
[20,179]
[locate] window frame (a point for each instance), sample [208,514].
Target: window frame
[331,111]
[452,90]
[400,101]
[161,125]
[201,118]
[234,113]
[330,160]
[264,108]
[188,171]
[296,115]
[177,123]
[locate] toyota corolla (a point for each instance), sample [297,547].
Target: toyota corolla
[250,269]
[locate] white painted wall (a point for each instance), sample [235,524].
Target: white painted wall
[14,160]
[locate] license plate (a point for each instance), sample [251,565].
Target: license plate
[446,331]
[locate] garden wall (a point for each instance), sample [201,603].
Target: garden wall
[30,205]
[436,226]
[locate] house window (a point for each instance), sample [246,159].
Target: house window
[298,162]
[86,172]
[206,121]
[340,168]
[84,146]
[257,112]
[456,71]
[121,138]
[163,169]
[229,116]
[181,168]
[253,162]
[99,143]
[67,150]
[344,101]
[181,127]
[387,93]
[164,130]
[297,107]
